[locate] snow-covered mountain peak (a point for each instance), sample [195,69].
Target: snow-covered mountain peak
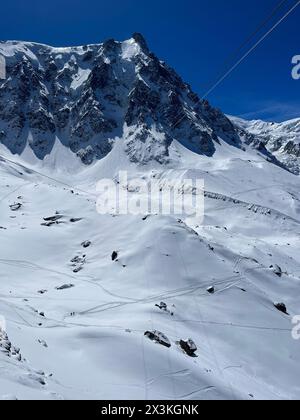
[263,127]
[280,139]
[92,96]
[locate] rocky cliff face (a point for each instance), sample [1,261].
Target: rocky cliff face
[89,97]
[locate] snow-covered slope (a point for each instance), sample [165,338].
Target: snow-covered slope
[281,139]
[88,338]
[78,315]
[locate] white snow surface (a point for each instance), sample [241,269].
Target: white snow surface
[130,49]
[87,341]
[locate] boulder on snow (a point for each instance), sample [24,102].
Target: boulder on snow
[276,270]
[42,292]
[281,307]
[78,259]
[43,343]
[53,218]
[164,307]
[211,290]
[65,286]
[86,244]
[114,255]
[15,207]
[189,347]
[75,219]
[51,223]
[158,337]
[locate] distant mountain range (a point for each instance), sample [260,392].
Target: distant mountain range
[280,139]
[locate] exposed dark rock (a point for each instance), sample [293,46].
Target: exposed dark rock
[65,286]
[164,307]
[15,207]
[277,270]
[158,337]
[189,347]
[53,218]
[86,244]
[281,307]
[141,41]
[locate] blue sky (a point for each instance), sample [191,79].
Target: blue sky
[195,37]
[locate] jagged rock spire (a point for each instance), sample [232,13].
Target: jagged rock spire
[141,41]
